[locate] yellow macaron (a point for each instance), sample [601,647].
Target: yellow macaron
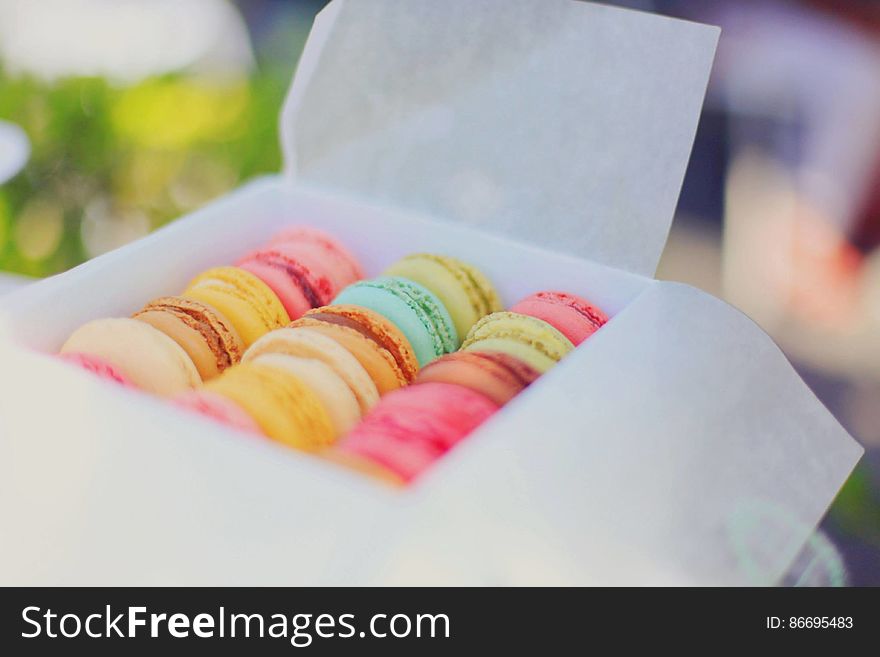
[340,402]
[284,407]
[246,301]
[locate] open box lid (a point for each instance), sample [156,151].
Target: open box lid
[558,122]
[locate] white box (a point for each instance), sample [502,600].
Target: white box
[677,445]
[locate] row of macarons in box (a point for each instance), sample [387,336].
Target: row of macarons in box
[292,343]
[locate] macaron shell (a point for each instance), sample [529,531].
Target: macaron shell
[220,409]
[340,263]
[414,309]
[250,304]
[530,339]
[97,366]
[282,405]
[413,427]
[205,335]
[517,349]
[307,343]
[465,291]
[142,354]
[338,399]
[491,298]
[497,375]
[291,296]
[339,273]
[378,363]
[298,286]
[379,329]
[189,339]
[574,317]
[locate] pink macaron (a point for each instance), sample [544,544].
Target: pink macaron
[574,317]
[321,251]
[412,427]
[218,408]
[298,286]
[96,365]
[305,268]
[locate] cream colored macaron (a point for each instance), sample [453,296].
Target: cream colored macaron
[338,399]
[144,355]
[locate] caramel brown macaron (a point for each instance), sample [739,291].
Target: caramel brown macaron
[378,344]
[203,332]
[497,375]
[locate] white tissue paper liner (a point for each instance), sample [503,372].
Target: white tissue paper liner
[675,446]
[563,123]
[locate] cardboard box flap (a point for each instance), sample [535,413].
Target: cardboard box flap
[700,457]
[559,122]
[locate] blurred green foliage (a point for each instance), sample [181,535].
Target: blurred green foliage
[109,163]
[856,510]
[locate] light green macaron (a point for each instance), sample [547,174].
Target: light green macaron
[530,339]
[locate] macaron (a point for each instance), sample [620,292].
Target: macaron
[320,252]
[141,354]
[298,286]
[378,329]
[574,317]
[465,291]
[281,404]
[97,366]
[413,427]
[305,342]
[246,301]
[414,309]
[532,340]
[377,343]
[220,409]
[497,375]
[338,399]
[209,339]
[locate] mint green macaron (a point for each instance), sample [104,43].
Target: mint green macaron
[414,309]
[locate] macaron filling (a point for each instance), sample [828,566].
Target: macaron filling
[539,345]
[226,351]
[375,359]
[496,363]
[497,375]
[317,290]
[366,330]
[592,314]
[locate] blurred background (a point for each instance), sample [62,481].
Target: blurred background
[116,116]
